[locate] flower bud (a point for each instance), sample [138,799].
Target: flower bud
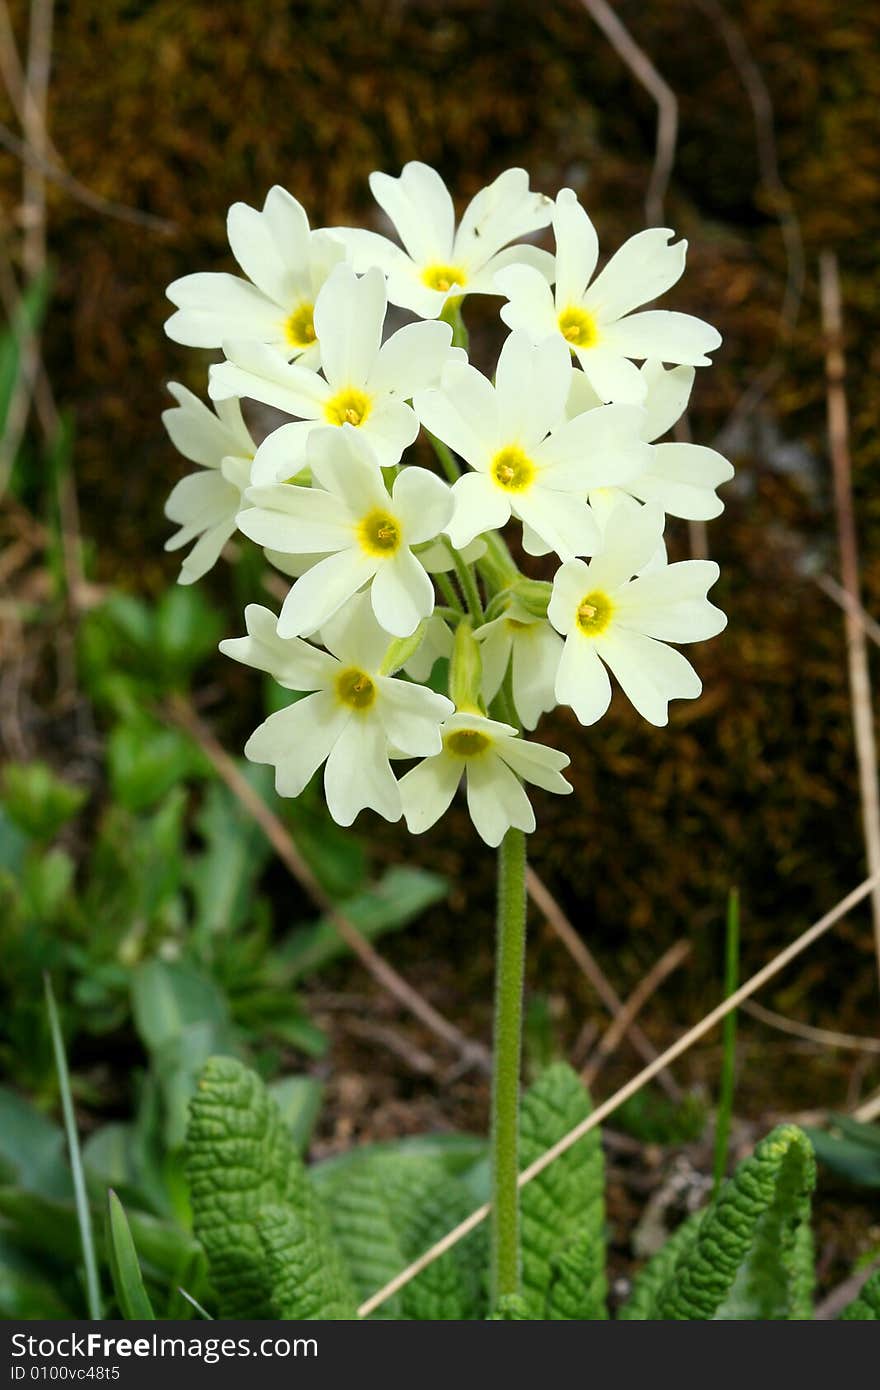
[466,670]
[533,595]
[401,649]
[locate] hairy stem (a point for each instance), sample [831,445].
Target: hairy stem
[510,962]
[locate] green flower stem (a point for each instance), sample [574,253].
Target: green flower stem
[448,592]
[467,580]
[509,968]
[444,457]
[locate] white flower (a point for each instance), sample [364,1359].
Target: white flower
[594,316]
[607,616]
[440,263]
[205,505]
[352,719]
[366,384]
[364,533]
[495,762]
[286,264]
[534,648]
[527,458]
[681,477]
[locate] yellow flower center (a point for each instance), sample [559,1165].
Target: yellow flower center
[355,688]
[594,613]
[466,743]
[299,327]
[348,407]
[443,277]
[578,327]
[512,470]
[379,533]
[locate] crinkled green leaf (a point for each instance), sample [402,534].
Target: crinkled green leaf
[865,1308]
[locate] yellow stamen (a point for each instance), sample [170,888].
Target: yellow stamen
[379,533]
[443,277]
[512,470]
[466,743]
[578,327]
[594,613]
[355,689]
[348,407]
[299,328]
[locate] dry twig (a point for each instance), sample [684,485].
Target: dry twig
[582,956]
[856,646]
[610,1041]
[647,75]
[283,844]
[826,1037]
[693,1035]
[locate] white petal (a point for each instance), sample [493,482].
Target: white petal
[671,604]
[343,462]
[537,650]
[531,387]
[536,763]
[255,249]
[427,790]
[530,308]
[582,680]
[496,644]
[577,249]
[483,282]
[368,249]
[601,448]
[670,337]
[463,413]
[412,359]
[200,500]
[325,253]
[611,376]
[562,520]
[293,663]
[296,519]
[407,290]
[206,552]
[322,591]
[643,268]
[496,800]
[498,214]
[286,219]
[261,373]
[423,502]
[390,428]
[349,314]
[354,636]
[630,540]
[668,393]
[282,453]
[402,594]
[358,774]
[436,644]
[420,207]
[198,433]
[479,506]
[213,306]
[581,396]
[650,673]
[682,478]
[411,716]
[296,740]
[570,583]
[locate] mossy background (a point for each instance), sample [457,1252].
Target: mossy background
[181,109]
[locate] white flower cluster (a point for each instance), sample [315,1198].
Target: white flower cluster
[394,567]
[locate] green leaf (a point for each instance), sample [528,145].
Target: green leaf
[851,1150]
[641,1306]
[29,313]
[47,885]
[236,851]
[562,1209]
[33,1147]
[187,629]
[744,1263]
[128,1282]
[511,1308]
[39,802]
[402,895]
[305,1273]
[146,760]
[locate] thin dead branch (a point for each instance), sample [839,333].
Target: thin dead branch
[693,1035]
[583,957]
[856,646]
[825,1037]
[285,847]
[647,76]
[608,1044]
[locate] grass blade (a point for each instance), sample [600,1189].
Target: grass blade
[198,1307]
[728,1059]
[125,1268]
[83,1214]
